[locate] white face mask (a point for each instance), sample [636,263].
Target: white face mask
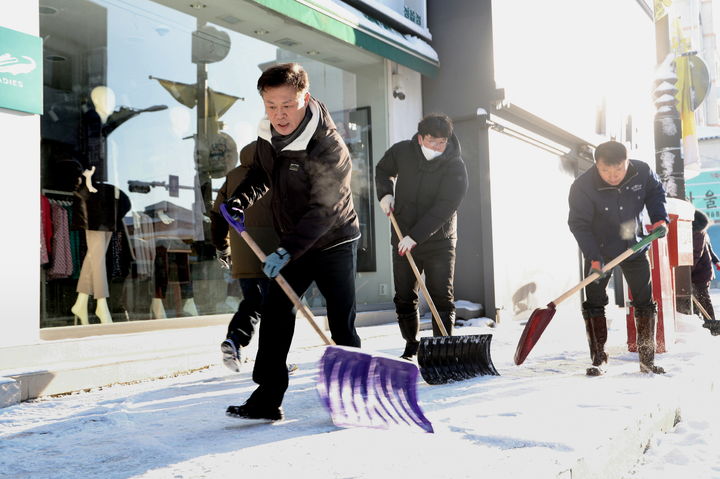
[429,153]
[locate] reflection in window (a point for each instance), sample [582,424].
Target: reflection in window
[146,109]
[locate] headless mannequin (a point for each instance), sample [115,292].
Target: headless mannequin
[93,275]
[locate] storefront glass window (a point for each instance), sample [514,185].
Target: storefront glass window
[149,106]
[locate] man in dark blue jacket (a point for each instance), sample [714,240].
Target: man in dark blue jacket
[423,180]
[606,204]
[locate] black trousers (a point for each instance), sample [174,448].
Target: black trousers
[242,326]
[437,260]
[702,293]
[333,271]
[636,270]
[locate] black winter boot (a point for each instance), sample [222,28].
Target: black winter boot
[645,321]
[409,327]
[596,329]
[448,320]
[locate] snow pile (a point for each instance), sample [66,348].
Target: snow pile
[535,420]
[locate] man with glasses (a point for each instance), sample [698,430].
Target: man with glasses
[430,181]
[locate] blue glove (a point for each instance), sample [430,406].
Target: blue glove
[275,262]
[235,210]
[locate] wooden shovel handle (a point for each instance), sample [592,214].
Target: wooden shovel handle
[657,233]
[700,307]
[287,289]
[426,293]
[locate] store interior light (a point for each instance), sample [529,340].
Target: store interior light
[313,52]
[198,5]
[261,31]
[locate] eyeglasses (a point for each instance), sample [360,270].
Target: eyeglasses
[436,142]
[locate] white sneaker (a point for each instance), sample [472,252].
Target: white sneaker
[231,355]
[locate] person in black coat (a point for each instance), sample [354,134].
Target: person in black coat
[302,159]
[234,254]
[703,260]
[430,181]
[606,204]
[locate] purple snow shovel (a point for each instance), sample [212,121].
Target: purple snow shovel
[357,388]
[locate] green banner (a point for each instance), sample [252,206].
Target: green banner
[703,191]
[21,72]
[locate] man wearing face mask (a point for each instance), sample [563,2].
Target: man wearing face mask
[430,181]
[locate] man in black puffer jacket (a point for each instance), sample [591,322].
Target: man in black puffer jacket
[302,158]
[430,182]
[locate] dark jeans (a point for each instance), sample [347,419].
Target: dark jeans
[242,326]
[333,270]
[636,270]
[437,260]
[702,293]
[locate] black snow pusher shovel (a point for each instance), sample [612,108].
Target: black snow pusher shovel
[357,388]
[447,358]
[540,318]
[713,325]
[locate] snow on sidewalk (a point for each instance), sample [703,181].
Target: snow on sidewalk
[542,419]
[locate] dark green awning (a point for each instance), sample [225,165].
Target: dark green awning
[358,35]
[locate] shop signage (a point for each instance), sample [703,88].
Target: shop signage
[21,76]
[703,191]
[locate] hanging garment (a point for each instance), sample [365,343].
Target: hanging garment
[61,265]
[45,230]
[143,244]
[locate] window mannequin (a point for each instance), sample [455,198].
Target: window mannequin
[103,99]
[98,209]
[99,119]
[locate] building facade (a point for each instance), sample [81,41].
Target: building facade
[150,102]
[159,96]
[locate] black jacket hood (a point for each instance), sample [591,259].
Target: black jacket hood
[701,222]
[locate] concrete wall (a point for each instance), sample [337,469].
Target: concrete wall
[20,197]
[462,36]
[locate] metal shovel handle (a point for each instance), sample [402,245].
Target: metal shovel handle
[282,282]
[423,288]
